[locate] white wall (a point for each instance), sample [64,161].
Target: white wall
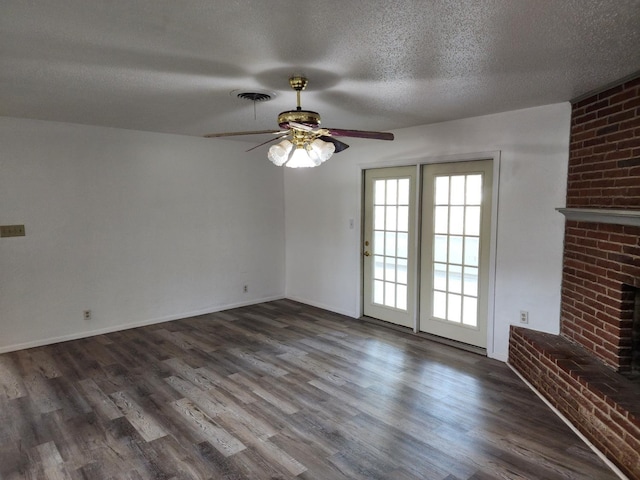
[322,256]
[142,227]
[138,227]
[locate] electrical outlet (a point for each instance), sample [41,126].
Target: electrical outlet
[12,231]
[87,314]
[245,289]
[524,316]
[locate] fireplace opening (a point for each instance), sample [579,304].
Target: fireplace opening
[634,372]
[630,333]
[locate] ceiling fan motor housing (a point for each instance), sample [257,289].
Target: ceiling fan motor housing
[306,117]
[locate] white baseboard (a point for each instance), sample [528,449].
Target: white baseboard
[126,326]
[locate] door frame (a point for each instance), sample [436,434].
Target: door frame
[419,163]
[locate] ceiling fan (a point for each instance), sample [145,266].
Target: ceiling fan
[305,143]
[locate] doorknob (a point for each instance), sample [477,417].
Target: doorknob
[367,254]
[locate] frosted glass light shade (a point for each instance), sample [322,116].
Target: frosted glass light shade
[320,151]
[311,155]
[301,159]
[279,153]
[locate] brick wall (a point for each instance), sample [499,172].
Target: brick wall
[576,370]
[604,158]
[602,261]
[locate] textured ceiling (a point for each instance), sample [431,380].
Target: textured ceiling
[175,65]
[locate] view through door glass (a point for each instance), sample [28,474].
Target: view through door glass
[388,246]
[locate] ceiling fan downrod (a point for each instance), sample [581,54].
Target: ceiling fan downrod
[298,83]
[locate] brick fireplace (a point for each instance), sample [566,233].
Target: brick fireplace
[588,372]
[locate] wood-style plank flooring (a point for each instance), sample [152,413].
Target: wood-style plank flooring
[275,391]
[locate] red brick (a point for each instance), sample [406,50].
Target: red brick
[622,96]
[621,135]
[635,142]
[607,147]
[586,117]
[633,103]
[619,154]
[605,112]
[634,121]
[610,92]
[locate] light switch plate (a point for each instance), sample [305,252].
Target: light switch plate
[12,231]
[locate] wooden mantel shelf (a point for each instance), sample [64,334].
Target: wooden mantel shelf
[602,215]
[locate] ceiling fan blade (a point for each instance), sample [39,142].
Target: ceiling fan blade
[340,146]
[336,132]
[275,139]
[233,134]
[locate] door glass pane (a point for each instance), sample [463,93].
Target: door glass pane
[403,191]
[472,221]
[441,222]
[378,217]
[390,269]
[470,311]
[390,244]
[455,278]
[378,242]
[403,219]
[454,307]
[390,293]
[379,192]
[456,220]
[471,281]
[391,218]
[474,189]
[440,248]
[455,250]
[403,245]
[392,191]
[440,276]
[439,304]
[456,247]
[401,271]
[457,193]
[471,250]
[442,191]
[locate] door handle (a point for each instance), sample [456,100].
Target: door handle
[367,254]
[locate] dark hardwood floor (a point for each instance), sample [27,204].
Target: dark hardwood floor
[274,391]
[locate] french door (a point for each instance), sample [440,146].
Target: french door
[453,269]
[389,244]
[456,228]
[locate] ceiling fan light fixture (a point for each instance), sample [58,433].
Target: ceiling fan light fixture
[320,151]
[301,159]
[278,154]
[308,145]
